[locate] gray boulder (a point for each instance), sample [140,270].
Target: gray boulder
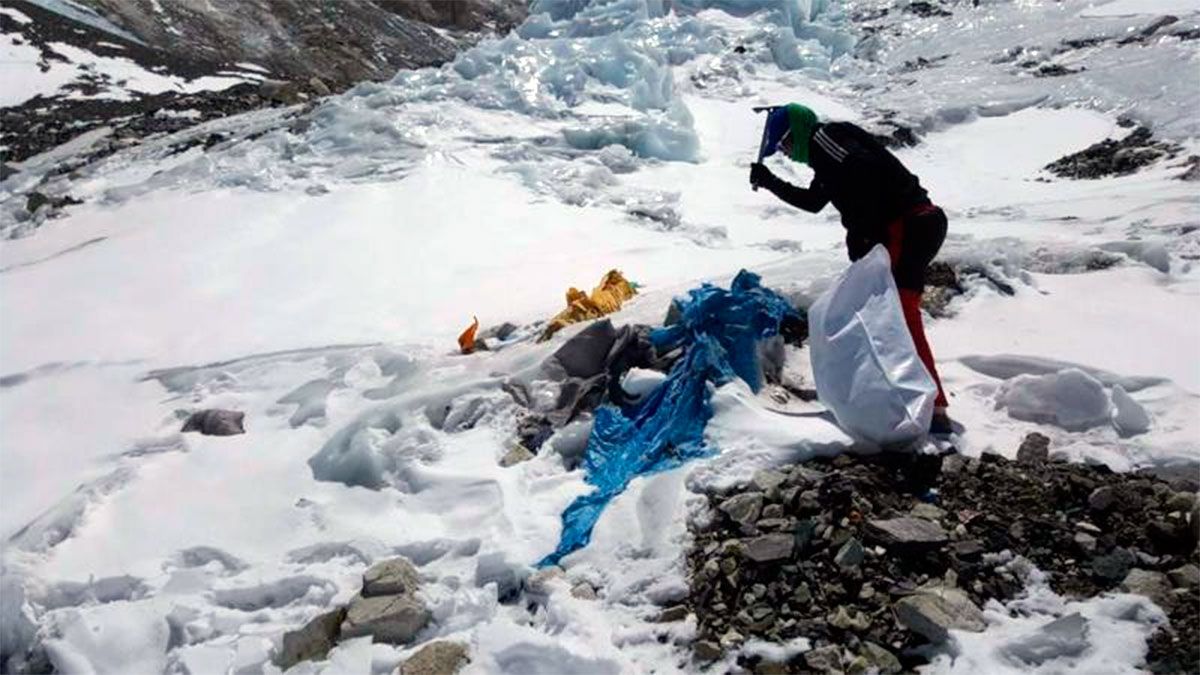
[313,641]
[436,658]
[743,509]
[1035,449]
[318,86]
[907,532]
[932,612]
[850,555]
[1186,576]
[394,619]
[769,547]
[1153,585]
[706,650]
[280,91]
[391,577]
[826,659]
[875,659]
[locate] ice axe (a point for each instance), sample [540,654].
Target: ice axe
[762,146]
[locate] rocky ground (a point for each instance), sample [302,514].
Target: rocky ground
[1121,157]
[872,558]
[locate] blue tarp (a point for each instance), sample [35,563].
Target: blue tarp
[719,333]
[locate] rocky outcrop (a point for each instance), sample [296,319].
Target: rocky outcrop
[387,610]
[342,43]
[301,51]
[1115,157]
[873,558]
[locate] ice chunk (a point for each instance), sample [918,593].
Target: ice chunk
[351,456]
[1065,637]
[1129,417]
[310,399]
[570,442]
[1152,253]
[658,137]
[494,568]
[279,593]
[1008,366]
[113,638]
[641,381]
[1070,399]
[17,629]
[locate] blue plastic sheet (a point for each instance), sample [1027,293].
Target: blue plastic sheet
[719,333]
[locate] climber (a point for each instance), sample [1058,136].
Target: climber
[879,200]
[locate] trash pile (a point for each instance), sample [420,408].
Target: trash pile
[606,298]
[872,559]
[716,338]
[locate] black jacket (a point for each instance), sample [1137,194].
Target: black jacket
[865,182]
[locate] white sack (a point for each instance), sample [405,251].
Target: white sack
[864,362]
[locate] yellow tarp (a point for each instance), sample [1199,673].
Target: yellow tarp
[604,299]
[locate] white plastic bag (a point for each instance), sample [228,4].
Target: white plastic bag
[866,368]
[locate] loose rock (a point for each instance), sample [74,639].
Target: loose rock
[743,509]
[313,641]
[1035,449]
[584,591]
[516,454]
[1114,565]
[934,612]
[706,650]
[1186,576]
[390,577]
[769,547]
[394,619]
[850,555]
[824,659]
[436,658]
[907,532]
[878,659]
[1153,585]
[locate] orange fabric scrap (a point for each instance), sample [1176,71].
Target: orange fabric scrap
[466,341]
[606,298]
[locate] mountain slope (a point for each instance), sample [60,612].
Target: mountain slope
[312,267]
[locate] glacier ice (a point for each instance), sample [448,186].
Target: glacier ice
[1069,398]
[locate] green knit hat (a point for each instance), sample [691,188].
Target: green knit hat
[803,122]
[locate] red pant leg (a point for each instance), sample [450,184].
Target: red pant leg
[910,302]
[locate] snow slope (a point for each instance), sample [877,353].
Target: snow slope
[312,270]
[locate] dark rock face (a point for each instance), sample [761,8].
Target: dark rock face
[304,49]
[886,553]
[1114,158]
[342,43]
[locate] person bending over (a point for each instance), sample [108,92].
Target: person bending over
[881,202]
